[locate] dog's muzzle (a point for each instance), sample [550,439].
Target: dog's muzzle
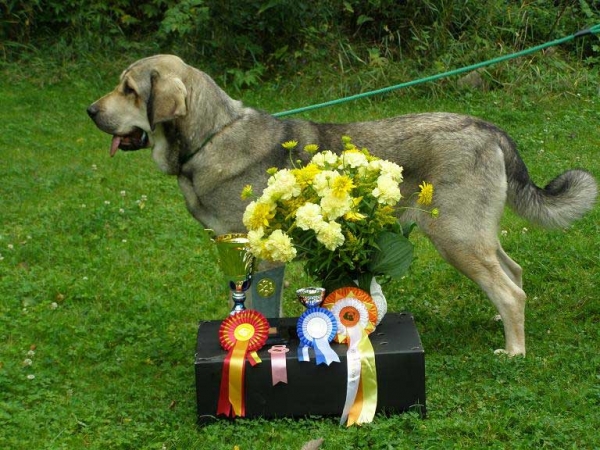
[135,140]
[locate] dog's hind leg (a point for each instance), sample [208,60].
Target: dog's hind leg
[485,262]
[512,269]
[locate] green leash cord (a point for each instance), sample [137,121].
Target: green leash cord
[593,30]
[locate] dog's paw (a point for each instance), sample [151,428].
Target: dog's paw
[508,354]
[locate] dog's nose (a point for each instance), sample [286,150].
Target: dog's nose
[92,110]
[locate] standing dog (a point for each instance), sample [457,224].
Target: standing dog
[215,145]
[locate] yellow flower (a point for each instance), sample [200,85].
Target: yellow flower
[435,212]
[306,175]
[426,194]
[247,192]
[384,215]
[354,216]
[311,148]
[258,214]
[289,145]
[341,186]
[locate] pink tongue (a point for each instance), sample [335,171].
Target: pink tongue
[114,145]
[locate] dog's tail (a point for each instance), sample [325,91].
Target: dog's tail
[565,199]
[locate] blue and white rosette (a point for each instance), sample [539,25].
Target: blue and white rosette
[316,328]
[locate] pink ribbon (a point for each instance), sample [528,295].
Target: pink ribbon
[278,364]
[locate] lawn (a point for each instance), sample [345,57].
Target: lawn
[104,277]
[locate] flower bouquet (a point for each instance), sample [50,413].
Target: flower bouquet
[337,214]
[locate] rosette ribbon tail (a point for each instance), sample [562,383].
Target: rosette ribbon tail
[363,411]
[361,391]
[303,354]
[231,398]
[324,353]
[353,362]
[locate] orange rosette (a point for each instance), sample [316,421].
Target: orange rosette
[351,306]
[241,335]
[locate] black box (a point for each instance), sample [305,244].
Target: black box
[316,389]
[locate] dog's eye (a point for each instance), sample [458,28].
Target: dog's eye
[127,90]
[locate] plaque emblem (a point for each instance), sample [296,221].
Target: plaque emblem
[265,287]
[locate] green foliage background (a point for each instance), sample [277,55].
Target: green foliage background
[254,38]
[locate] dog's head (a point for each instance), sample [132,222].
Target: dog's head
[151,90]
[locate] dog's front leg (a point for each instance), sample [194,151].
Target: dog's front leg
[196,208]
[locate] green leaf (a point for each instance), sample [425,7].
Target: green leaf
[394,257]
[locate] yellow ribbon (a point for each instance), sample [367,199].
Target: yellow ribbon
[243,333]
[236,377]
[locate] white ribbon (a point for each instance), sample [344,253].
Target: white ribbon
[353,359]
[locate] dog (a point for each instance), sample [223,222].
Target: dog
[215,146]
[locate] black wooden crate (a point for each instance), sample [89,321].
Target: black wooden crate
[312,389]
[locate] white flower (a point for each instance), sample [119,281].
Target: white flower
[387,191]
[283,185]
[391,169]
[255,242]
[325,159]
[107,202]
[31,376]
[279,246]
[53,305]
[323,180]
[123,193]
[354,159]
[27,362]
[31,353]
[330,235]
[309,216]
[334,207]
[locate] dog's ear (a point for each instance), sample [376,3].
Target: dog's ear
[166,100]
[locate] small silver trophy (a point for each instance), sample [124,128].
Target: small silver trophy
[311,297]
[238,264]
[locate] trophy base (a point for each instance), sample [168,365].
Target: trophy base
[316,389]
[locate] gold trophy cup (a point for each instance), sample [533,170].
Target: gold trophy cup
[238,264]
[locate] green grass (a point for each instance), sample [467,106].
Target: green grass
[104,276]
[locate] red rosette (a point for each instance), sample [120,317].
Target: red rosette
[241,335]
[247,325]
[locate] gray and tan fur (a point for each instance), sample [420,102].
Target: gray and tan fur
[215,145]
